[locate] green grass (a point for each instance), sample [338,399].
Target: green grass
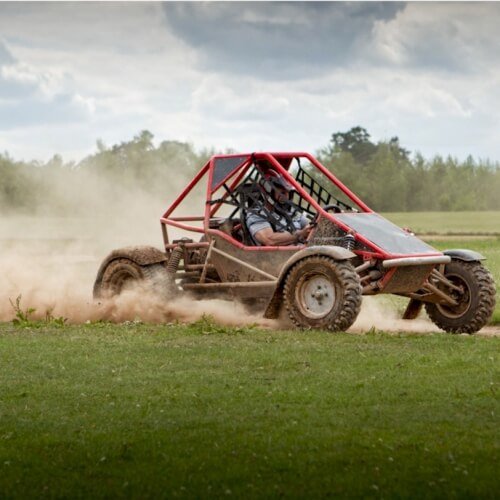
[448,222]
[146,411]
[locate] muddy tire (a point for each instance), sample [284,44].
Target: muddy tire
[475,304]
[122,274]
[322,293]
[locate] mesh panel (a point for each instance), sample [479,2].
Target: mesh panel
[312,187]
[224,166]
[317,191]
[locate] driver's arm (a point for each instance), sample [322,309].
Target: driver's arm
[268,237]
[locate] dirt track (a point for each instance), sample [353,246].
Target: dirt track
[490,331]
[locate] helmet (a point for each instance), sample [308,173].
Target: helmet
[272,179]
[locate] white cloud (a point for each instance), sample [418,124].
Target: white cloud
[47,84]
[250,76]
[277,40]
[236,100]
[458,37]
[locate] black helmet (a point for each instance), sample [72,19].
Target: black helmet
[272,179]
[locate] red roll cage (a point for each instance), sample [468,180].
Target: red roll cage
[223,168]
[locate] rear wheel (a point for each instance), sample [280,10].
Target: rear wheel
[474,292]
[323,293]
[122,274]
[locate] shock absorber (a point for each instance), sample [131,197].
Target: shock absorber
[349,241]
[173,262]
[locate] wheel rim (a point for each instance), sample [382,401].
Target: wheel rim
[121,279]
[463,299]
[315,294]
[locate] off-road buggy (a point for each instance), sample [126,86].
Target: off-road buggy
[351,251]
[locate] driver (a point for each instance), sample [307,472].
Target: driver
[258,223]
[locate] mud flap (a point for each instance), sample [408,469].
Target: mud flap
[274,305]
[413,309]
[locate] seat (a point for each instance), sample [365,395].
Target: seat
[231,226]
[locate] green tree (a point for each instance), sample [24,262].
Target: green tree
[355,141]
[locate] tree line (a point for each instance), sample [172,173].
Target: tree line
[384,174]
[110,176]
[389,178]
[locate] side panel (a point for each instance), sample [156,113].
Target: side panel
[407,279]
[270,262]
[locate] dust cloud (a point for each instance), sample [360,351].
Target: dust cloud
[58,280]
[51,261]
[377,313]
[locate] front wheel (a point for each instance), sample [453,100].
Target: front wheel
[323,293]
[475,295]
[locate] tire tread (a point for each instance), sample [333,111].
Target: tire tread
[485,285]
[352,297]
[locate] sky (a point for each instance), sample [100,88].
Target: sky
[249,76]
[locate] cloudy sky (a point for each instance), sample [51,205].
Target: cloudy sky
[249,76]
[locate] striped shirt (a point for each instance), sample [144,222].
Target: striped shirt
[258,221]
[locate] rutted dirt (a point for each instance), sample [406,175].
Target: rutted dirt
[490,331]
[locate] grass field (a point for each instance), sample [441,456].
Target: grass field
[160,411]
[197,411]
[465,223]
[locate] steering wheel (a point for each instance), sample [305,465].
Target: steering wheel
[333,207]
